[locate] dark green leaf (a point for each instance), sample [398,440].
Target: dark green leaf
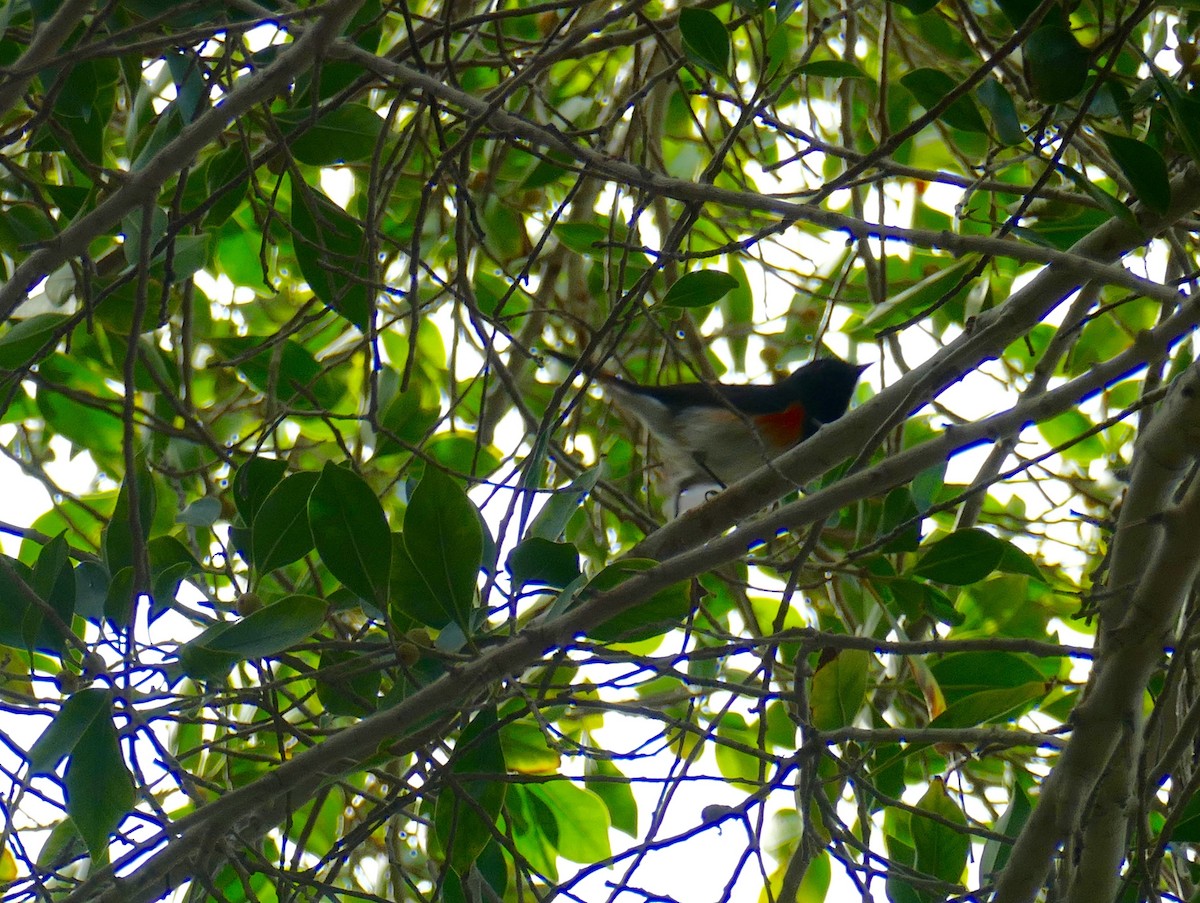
[331,250]
[284,370]
[351,532]
[71,722]
[272,629]
[226,168]
[1056,65]
[1017,11]
[1185,110]
[582,238]
[345,134]
[1106,201]
[961,558]
[99,785]
[663,611]
[544,563]
[898,508]
[203,512]
[562,503]
[1006,123]
[926,485]
[348,683]
[930,87]
[699,289]
[253,482]
[26,340]
[118,538]
[444,544]
[831,69]
[467,808]
[917,599]
[920,296]
[1017,561]
[280,533]
[91,589]
[705,39]
[963,673]
[1143,166]
[988,706]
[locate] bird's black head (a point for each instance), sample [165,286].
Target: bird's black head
[824,387]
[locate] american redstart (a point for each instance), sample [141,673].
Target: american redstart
[713,434]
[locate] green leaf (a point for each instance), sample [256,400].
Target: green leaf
[1010,823]
[1017,11]
[927,485]
[931,86]
[898,508]
[962,558]
[988,706]
[27,340]
[1063,432]
[831,69]
[583,238]
[839,689]
[1056,64]
[916,7]
[542,562]
[253,482]
[331,250]
[345,134]
[737,313]
[1017,561]
[526,750]
[663,611]
[1145,169]
[347,683]
[464,818]
[919,297]
[351,532]
[582,820]
[941,849]
[71,722]
[286,371]
[98,784]
[202,512]
[270,630]
[964,673]
[616,794]
[1185,110]
[117,545]
[699,289]
[705,39]
[53,581]
[1106,201]
[562,503]
[227,167]
[1006,122]
[917,598]
[280,533]
[435,569]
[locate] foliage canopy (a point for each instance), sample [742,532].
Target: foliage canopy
[364,593]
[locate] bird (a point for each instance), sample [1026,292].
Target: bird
[712,434]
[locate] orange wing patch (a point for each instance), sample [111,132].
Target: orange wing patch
[784,428]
